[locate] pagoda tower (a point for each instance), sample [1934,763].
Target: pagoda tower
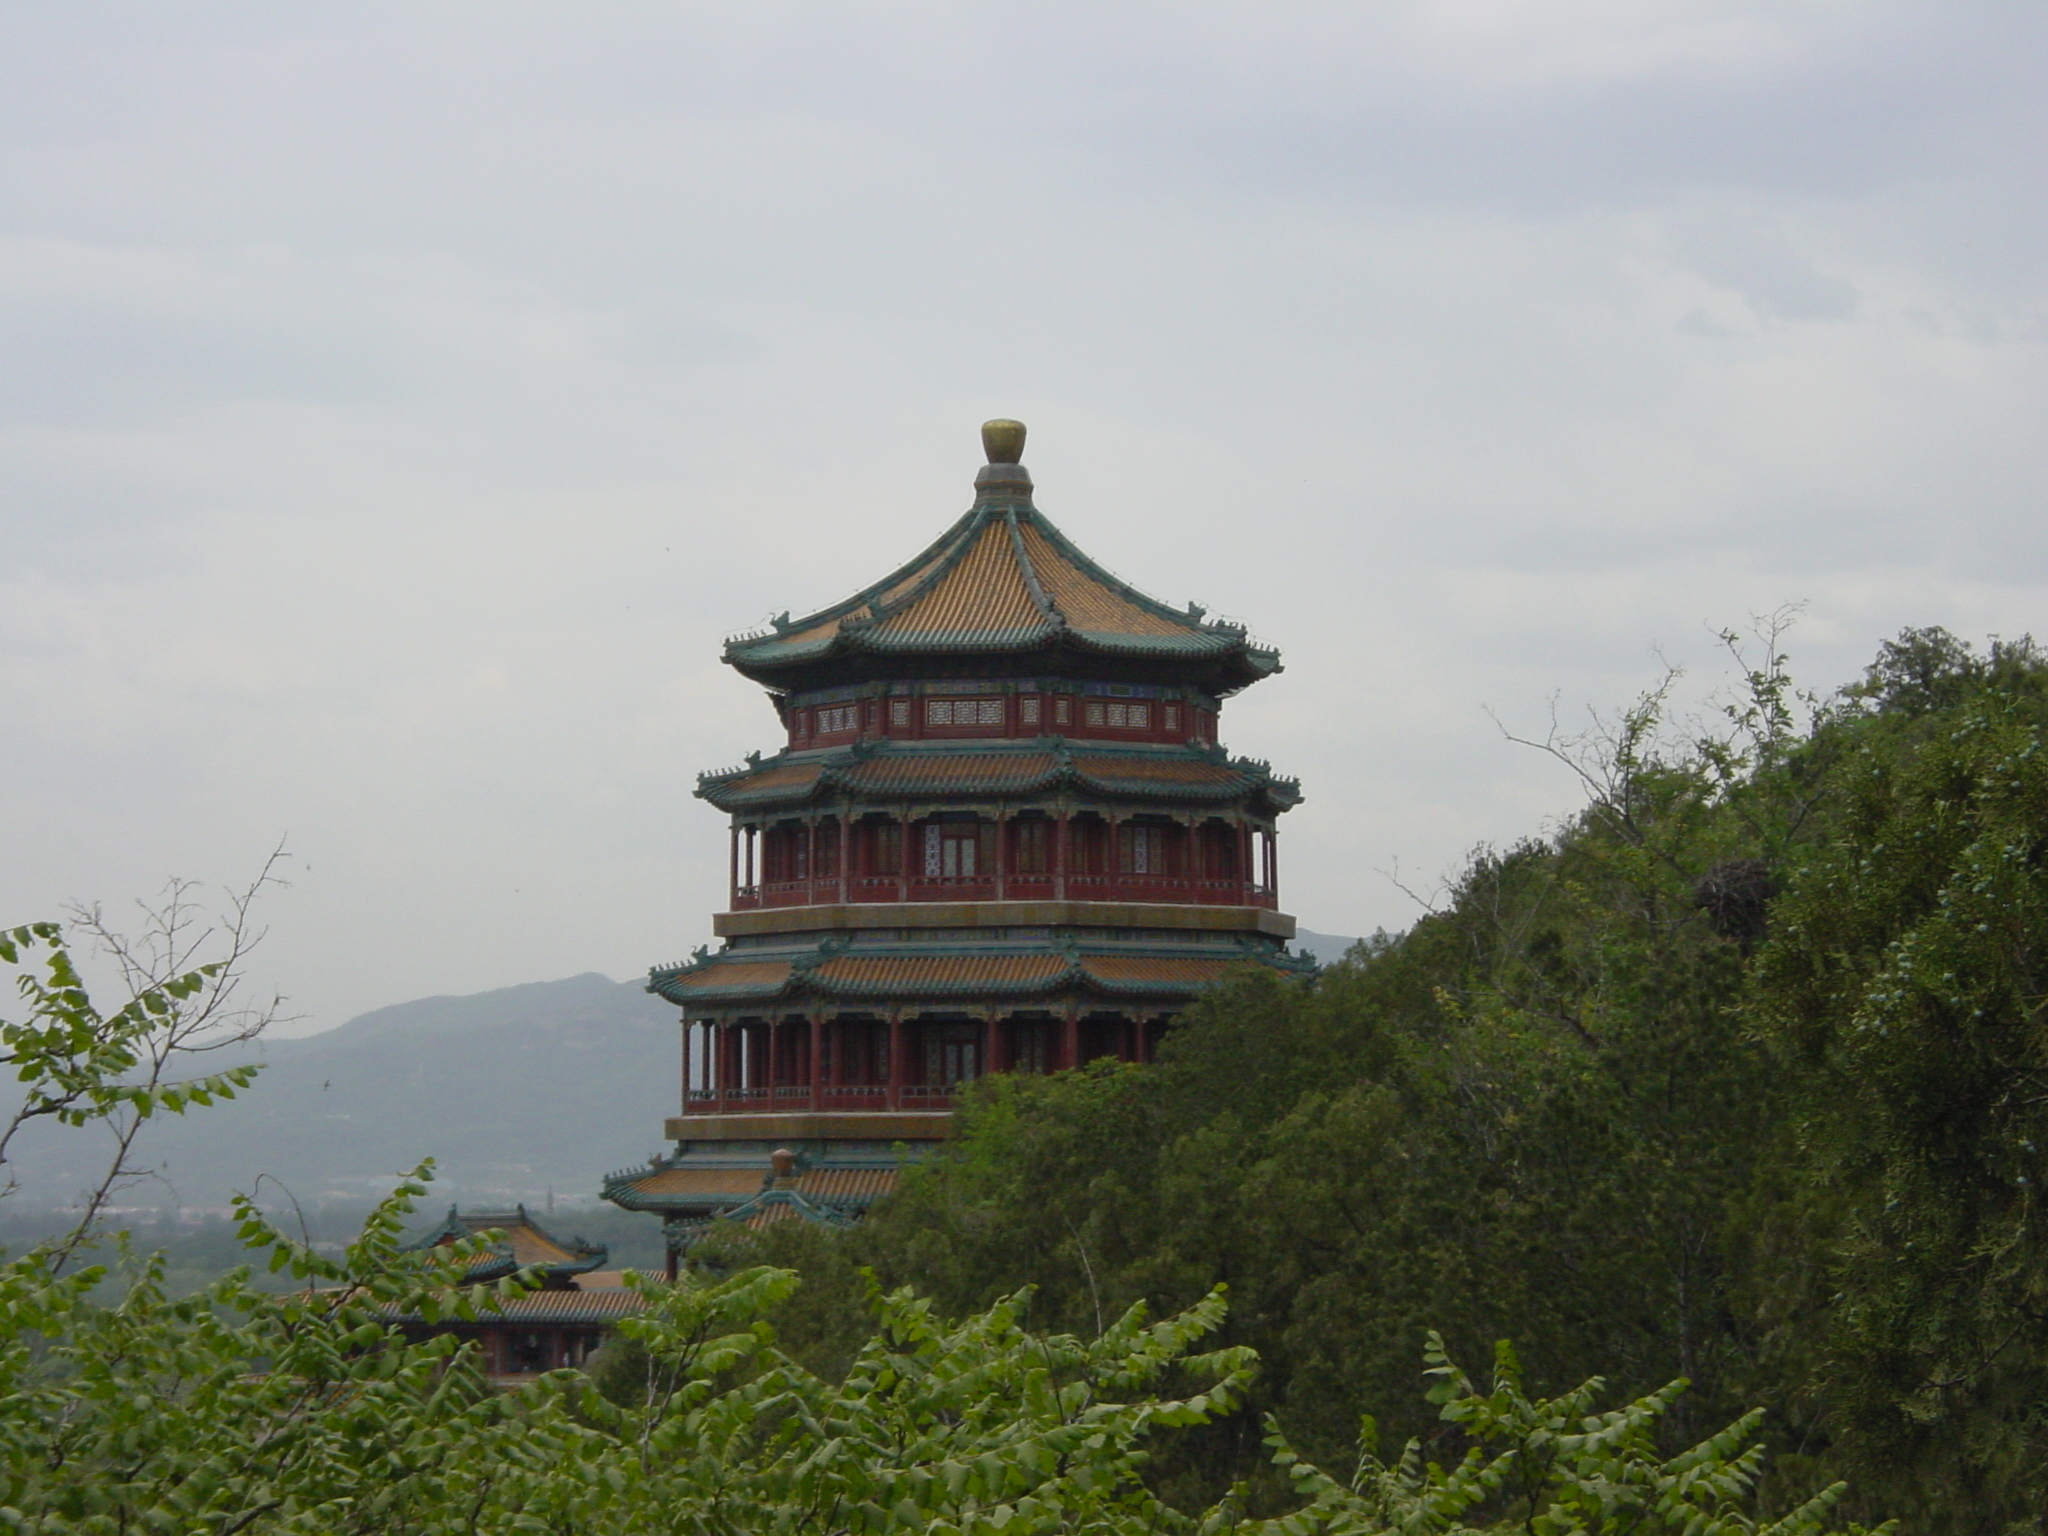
[1000,836]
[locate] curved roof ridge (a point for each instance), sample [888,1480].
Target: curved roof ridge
[1089,566]
[965,534]
[983,560]
[1030,573]
[892,593]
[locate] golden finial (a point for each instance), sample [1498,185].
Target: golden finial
[1003,440]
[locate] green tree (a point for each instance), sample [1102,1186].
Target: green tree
[1903,992]
[244,1410]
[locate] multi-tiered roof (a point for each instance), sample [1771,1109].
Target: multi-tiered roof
[1001,836]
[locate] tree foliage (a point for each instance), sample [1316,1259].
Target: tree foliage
[1736,1076]
[239,1409]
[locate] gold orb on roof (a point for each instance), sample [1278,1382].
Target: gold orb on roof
[1003,440]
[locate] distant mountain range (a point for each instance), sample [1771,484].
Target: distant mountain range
[515,1093]
[1327,948]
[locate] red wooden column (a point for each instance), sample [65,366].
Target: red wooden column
[1070,1038]
[1059,854]
[732,878]
[817,1061]
[1245,869]
[845,824]
[906,854]
[1002,857]
[1273,863]
[895,1059]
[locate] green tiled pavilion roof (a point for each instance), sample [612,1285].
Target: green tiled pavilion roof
[1001,582]
[740,1188]
[934,973]
[1190,774]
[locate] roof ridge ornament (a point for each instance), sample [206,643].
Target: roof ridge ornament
[1003,441]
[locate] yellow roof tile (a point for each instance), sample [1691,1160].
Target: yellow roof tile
[984,591]
[1150,968]
[845,1183]
[702,1181]
[1163,770]
[746,973]
[1083,600]
[532,1247]
[929,970]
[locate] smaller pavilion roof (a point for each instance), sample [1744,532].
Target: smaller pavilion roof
[526,1244]
[829,1189]
[1001,582]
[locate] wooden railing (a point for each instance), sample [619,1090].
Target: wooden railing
[871,1097]
[1178,890]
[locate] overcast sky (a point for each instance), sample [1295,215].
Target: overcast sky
[400,402]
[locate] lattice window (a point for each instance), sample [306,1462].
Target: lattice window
[840,717]
[1027,709]
[1031,1047]
[1062,711]
[952,1054]
[963,711]
[1031,847]
[1119,716]
[952,850]
[885,848]
[1091,714]
[899,711]
[1141,850]
[1172,713]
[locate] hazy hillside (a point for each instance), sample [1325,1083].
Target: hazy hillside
[513,1092]
[1326,948]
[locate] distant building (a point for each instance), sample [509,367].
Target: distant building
[1000,836]
[560,1324]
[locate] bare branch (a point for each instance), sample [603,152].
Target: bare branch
[183,971]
